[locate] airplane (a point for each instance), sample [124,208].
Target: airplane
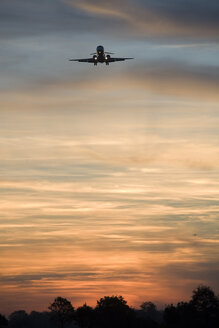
[100,56]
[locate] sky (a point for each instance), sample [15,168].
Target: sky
[109,175]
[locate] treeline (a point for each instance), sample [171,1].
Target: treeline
[202,311]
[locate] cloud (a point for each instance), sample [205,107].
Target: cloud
[160,77]
[156,18]
[128,18]
[164,77]
[22,18]
[135,239]
[191,273]
[140,130]
[179,79]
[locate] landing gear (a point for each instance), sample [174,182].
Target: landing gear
[95,64]
[107,63]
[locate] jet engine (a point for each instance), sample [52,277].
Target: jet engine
[95,59]
[107,59]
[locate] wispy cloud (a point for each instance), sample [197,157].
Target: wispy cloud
[153,18]
[139,18]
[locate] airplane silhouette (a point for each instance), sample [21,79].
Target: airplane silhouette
[100,56]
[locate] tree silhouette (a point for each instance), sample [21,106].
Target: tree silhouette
[114,312]
[149,314]
[171,316]
[206,305]
[202,311]
[62,311]
[3,321]
[204,299]
[148,307]
[84,316]
[40,320]
[113,302]
[19,319]
[186,313]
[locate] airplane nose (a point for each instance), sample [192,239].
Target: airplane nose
[100,49]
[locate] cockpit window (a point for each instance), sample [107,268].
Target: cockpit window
[100,49]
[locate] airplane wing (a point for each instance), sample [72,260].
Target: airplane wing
[86,60]
[111,59]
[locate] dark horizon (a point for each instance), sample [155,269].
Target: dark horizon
[113,311]
[159,306]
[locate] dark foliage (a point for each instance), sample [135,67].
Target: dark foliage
[19,319]
[145,322]
[3,321]
[148,307]
[206,307]
[150,313]
[62,311]
[147,316]
[85,316]
[114,312]
[40,319]
[204,300]
[202,311]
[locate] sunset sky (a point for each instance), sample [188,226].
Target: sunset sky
[109,175]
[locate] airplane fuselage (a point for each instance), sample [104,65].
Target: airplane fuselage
[101,57]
